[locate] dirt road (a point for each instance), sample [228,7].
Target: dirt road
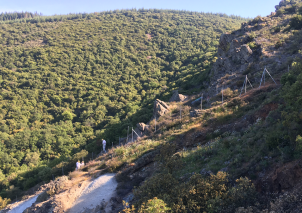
[97,192]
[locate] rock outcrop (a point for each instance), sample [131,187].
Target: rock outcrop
[233,53]
[176,97]
[141,126]
[160,108]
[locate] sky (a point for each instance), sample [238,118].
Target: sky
[244,8]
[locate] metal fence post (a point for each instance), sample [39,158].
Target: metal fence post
[222,96]
[201,101]
[127,134]
[180,113]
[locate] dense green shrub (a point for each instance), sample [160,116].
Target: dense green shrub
[273,140]
[296,22]
[199,194]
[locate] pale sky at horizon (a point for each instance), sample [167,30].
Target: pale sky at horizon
[231,7]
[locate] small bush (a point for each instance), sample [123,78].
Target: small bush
[252,45]
[121,152]
[4,202]
[273,140]
[288,77]
[154,205]
[279,44]
[235,102]
[277,29]
[298,147]
[252,36]
[296,22]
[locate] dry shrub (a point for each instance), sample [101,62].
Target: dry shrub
[74,174]
[93,163]
[114,164]
[235,102]
[4,202]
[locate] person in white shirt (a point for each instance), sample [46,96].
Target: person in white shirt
[78,165]
[104,145]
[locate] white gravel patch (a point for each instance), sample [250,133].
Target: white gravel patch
[98,191]
[23,205]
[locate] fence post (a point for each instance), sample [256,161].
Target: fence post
[222,96]
[264,76]
[127,134]
[62,171]
[132,134]
[201,100]
[245,82]
[180,113]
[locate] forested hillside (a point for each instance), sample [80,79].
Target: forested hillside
[67,81]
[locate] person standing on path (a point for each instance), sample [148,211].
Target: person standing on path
[78,165]
[104,145]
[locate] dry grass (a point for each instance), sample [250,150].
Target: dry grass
[75,174]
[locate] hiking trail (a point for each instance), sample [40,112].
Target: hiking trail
[98,191]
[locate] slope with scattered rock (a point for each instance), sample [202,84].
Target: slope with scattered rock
[239,155]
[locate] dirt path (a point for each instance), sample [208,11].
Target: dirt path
[20,207]
[97,192]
